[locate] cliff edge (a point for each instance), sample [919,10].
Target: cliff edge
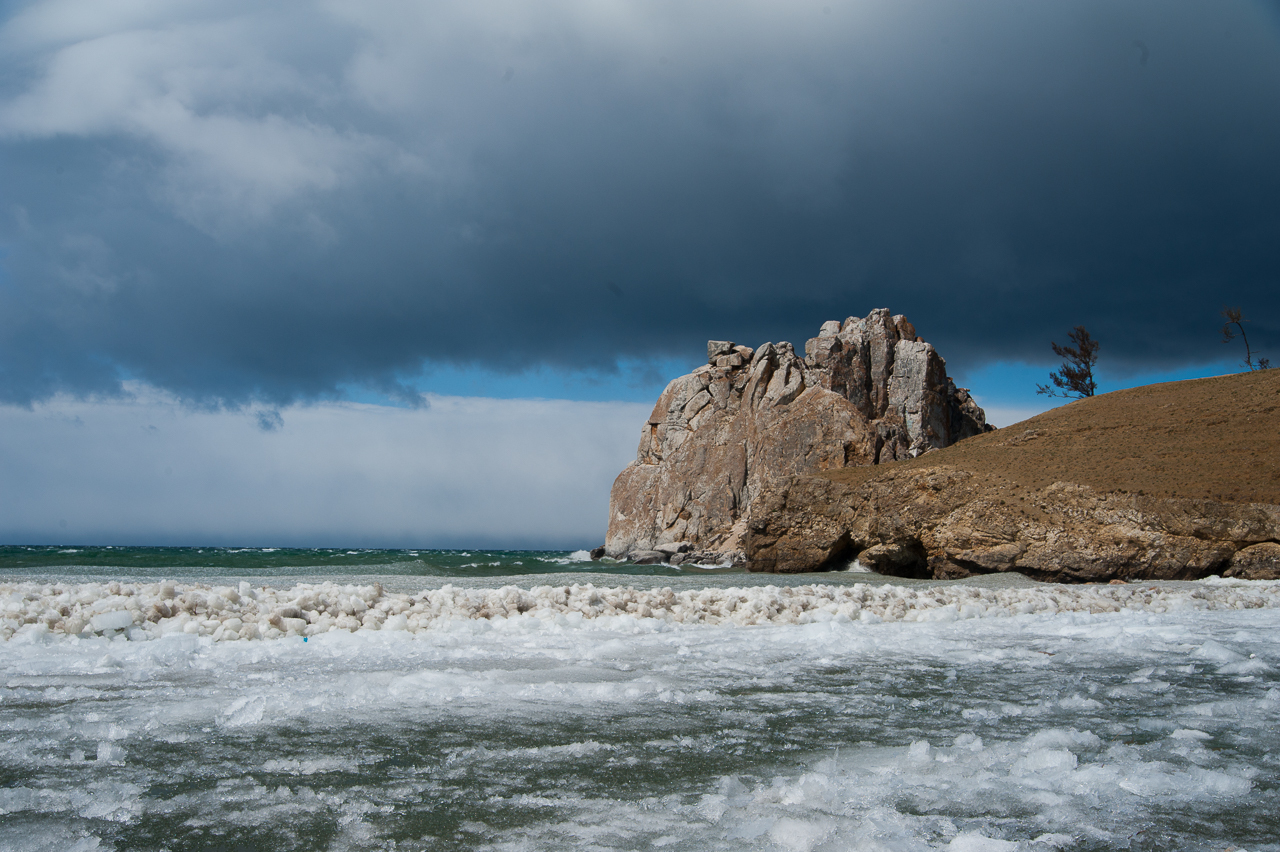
[1171,481]
[867,391]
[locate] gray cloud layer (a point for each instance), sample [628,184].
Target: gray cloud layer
[237,200]
[464,472]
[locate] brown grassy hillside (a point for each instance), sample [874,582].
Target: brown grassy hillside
[1217,438]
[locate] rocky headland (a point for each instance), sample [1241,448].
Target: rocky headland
[867,391]
[1170,481]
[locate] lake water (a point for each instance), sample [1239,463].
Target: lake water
[308,700]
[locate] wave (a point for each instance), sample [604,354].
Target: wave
[147,610]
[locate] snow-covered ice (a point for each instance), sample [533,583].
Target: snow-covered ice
[148,610]
[805,718]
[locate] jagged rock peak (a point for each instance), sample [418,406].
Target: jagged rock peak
[867,390]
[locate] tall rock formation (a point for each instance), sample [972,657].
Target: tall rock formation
[866,391]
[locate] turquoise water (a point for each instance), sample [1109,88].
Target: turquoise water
[213,563]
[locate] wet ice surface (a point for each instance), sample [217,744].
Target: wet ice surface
[1069,730]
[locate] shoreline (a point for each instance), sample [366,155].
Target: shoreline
[39,611]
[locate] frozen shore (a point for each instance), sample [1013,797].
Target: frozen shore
[140,611]
[1071,731]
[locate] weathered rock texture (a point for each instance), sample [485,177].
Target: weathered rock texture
[1171,481]
[867,391]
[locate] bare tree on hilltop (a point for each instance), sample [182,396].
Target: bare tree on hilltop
[1075,379]
[1233,316]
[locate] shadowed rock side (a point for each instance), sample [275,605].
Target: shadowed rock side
[867,391]
[1171,481]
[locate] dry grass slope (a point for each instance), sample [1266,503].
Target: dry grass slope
[1216,438]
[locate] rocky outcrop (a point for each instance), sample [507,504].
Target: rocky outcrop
[866,391]
[1172,481]
[1256,562]
[944,522]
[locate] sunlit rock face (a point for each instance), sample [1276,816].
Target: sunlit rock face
[866,391]
[938,521]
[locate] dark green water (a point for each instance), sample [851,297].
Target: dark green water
[211,563]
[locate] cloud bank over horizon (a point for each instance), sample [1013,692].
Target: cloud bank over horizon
[461,473]
[247,203]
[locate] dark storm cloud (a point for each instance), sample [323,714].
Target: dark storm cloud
[237,202]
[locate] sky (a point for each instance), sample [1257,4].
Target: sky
[308,236]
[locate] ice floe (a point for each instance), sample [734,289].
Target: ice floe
[1046,731]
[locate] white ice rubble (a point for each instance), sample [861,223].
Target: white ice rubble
[146,610]
[1059,731]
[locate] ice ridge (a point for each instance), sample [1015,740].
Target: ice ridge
[146,610]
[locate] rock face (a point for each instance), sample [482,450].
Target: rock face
[867,391]
[943,522]
[1172,481]
[1257,562]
